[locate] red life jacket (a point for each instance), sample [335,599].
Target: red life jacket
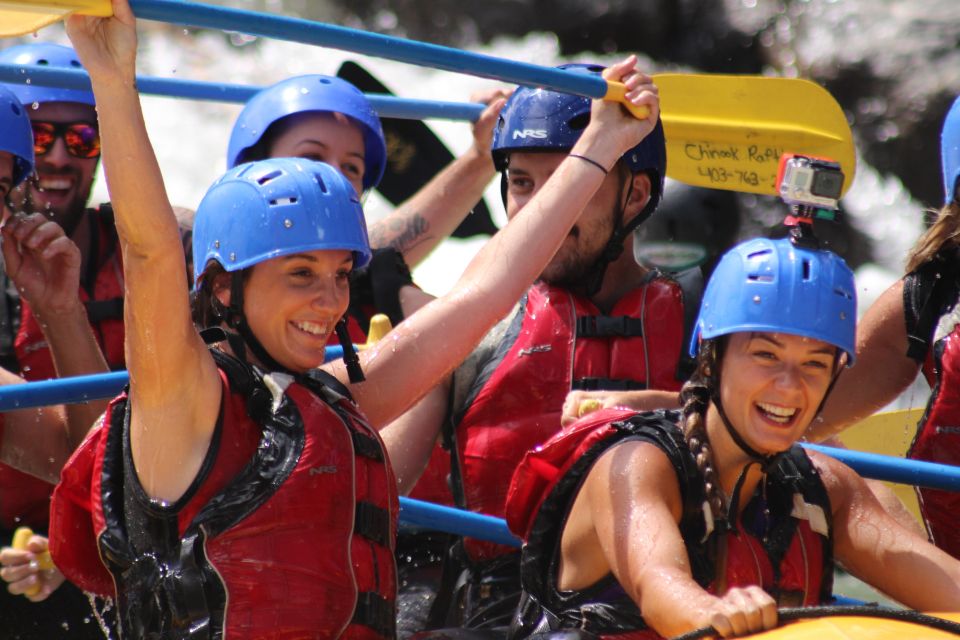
[561,342]
[787,558]
[26,500]
[287,532]
[933,326]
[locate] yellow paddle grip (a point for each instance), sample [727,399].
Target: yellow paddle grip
[617,92]
[20,539]
[379,326]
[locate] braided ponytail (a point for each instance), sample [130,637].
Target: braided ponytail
[695,399]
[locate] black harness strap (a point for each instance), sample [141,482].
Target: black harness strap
[373,523]
[374,611]
[607,384]
[367,447]
[926,292]
[100,310]
[609,326]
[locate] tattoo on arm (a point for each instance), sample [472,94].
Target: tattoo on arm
[401,234]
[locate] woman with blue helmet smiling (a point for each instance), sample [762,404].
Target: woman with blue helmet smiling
[239,490]
[328,119]
[654,524]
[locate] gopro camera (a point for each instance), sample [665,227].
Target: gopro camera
[811,182]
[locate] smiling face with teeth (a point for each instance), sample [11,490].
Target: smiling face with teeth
[292,304]
[771,385]
[63,182]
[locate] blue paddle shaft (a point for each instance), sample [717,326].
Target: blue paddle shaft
[386,106]
[344,38]
[879,467]
[437,517]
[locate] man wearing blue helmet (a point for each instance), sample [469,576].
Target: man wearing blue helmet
[911,328]
[595,320]
[649,525]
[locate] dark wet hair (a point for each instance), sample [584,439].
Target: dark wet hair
[695,396]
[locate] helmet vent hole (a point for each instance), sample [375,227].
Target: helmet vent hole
[15,108]
[580,122]
[75,63]
[806,270]
[843,294]
[262,180]
[43,61]
[760,277]
[282,201]
[321,183]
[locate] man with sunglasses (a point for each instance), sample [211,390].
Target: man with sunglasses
[67,151]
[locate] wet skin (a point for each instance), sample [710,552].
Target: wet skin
[62,186]
[322,136]
[292,304]
[527,174]
[772,384]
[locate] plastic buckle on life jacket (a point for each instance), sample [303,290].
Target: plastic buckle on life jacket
[608,326]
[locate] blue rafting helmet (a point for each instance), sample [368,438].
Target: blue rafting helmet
[16,136]
[277,207]
[47,54]
[950,151]
[542,120]
[773,285]
[310,93]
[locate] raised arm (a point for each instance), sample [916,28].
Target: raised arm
[880,551]
[418,225]
[175,388]
[426,346]
[881,373]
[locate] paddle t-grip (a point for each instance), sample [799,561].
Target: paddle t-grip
[20,539]
[617,92]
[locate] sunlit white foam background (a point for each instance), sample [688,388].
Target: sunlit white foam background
[190,137]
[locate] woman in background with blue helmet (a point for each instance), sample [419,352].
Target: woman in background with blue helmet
[239,491]
[328,119]
[912,327]
[655,524]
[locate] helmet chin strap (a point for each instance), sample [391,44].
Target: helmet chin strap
[244,339]
[614,247]
[764,460]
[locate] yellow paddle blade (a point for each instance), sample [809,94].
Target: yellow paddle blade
[890,434]
[857,628]
[20,17]
[728,132]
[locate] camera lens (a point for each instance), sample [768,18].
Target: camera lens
[827,184]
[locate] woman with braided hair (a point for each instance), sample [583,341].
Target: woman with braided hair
[658,523]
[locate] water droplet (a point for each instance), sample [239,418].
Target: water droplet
[29,81]
[288,223]
[35,105]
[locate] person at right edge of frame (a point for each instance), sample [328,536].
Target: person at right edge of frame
[912,328]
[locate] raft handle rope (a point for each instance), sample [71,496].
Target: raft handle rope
[791,614]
